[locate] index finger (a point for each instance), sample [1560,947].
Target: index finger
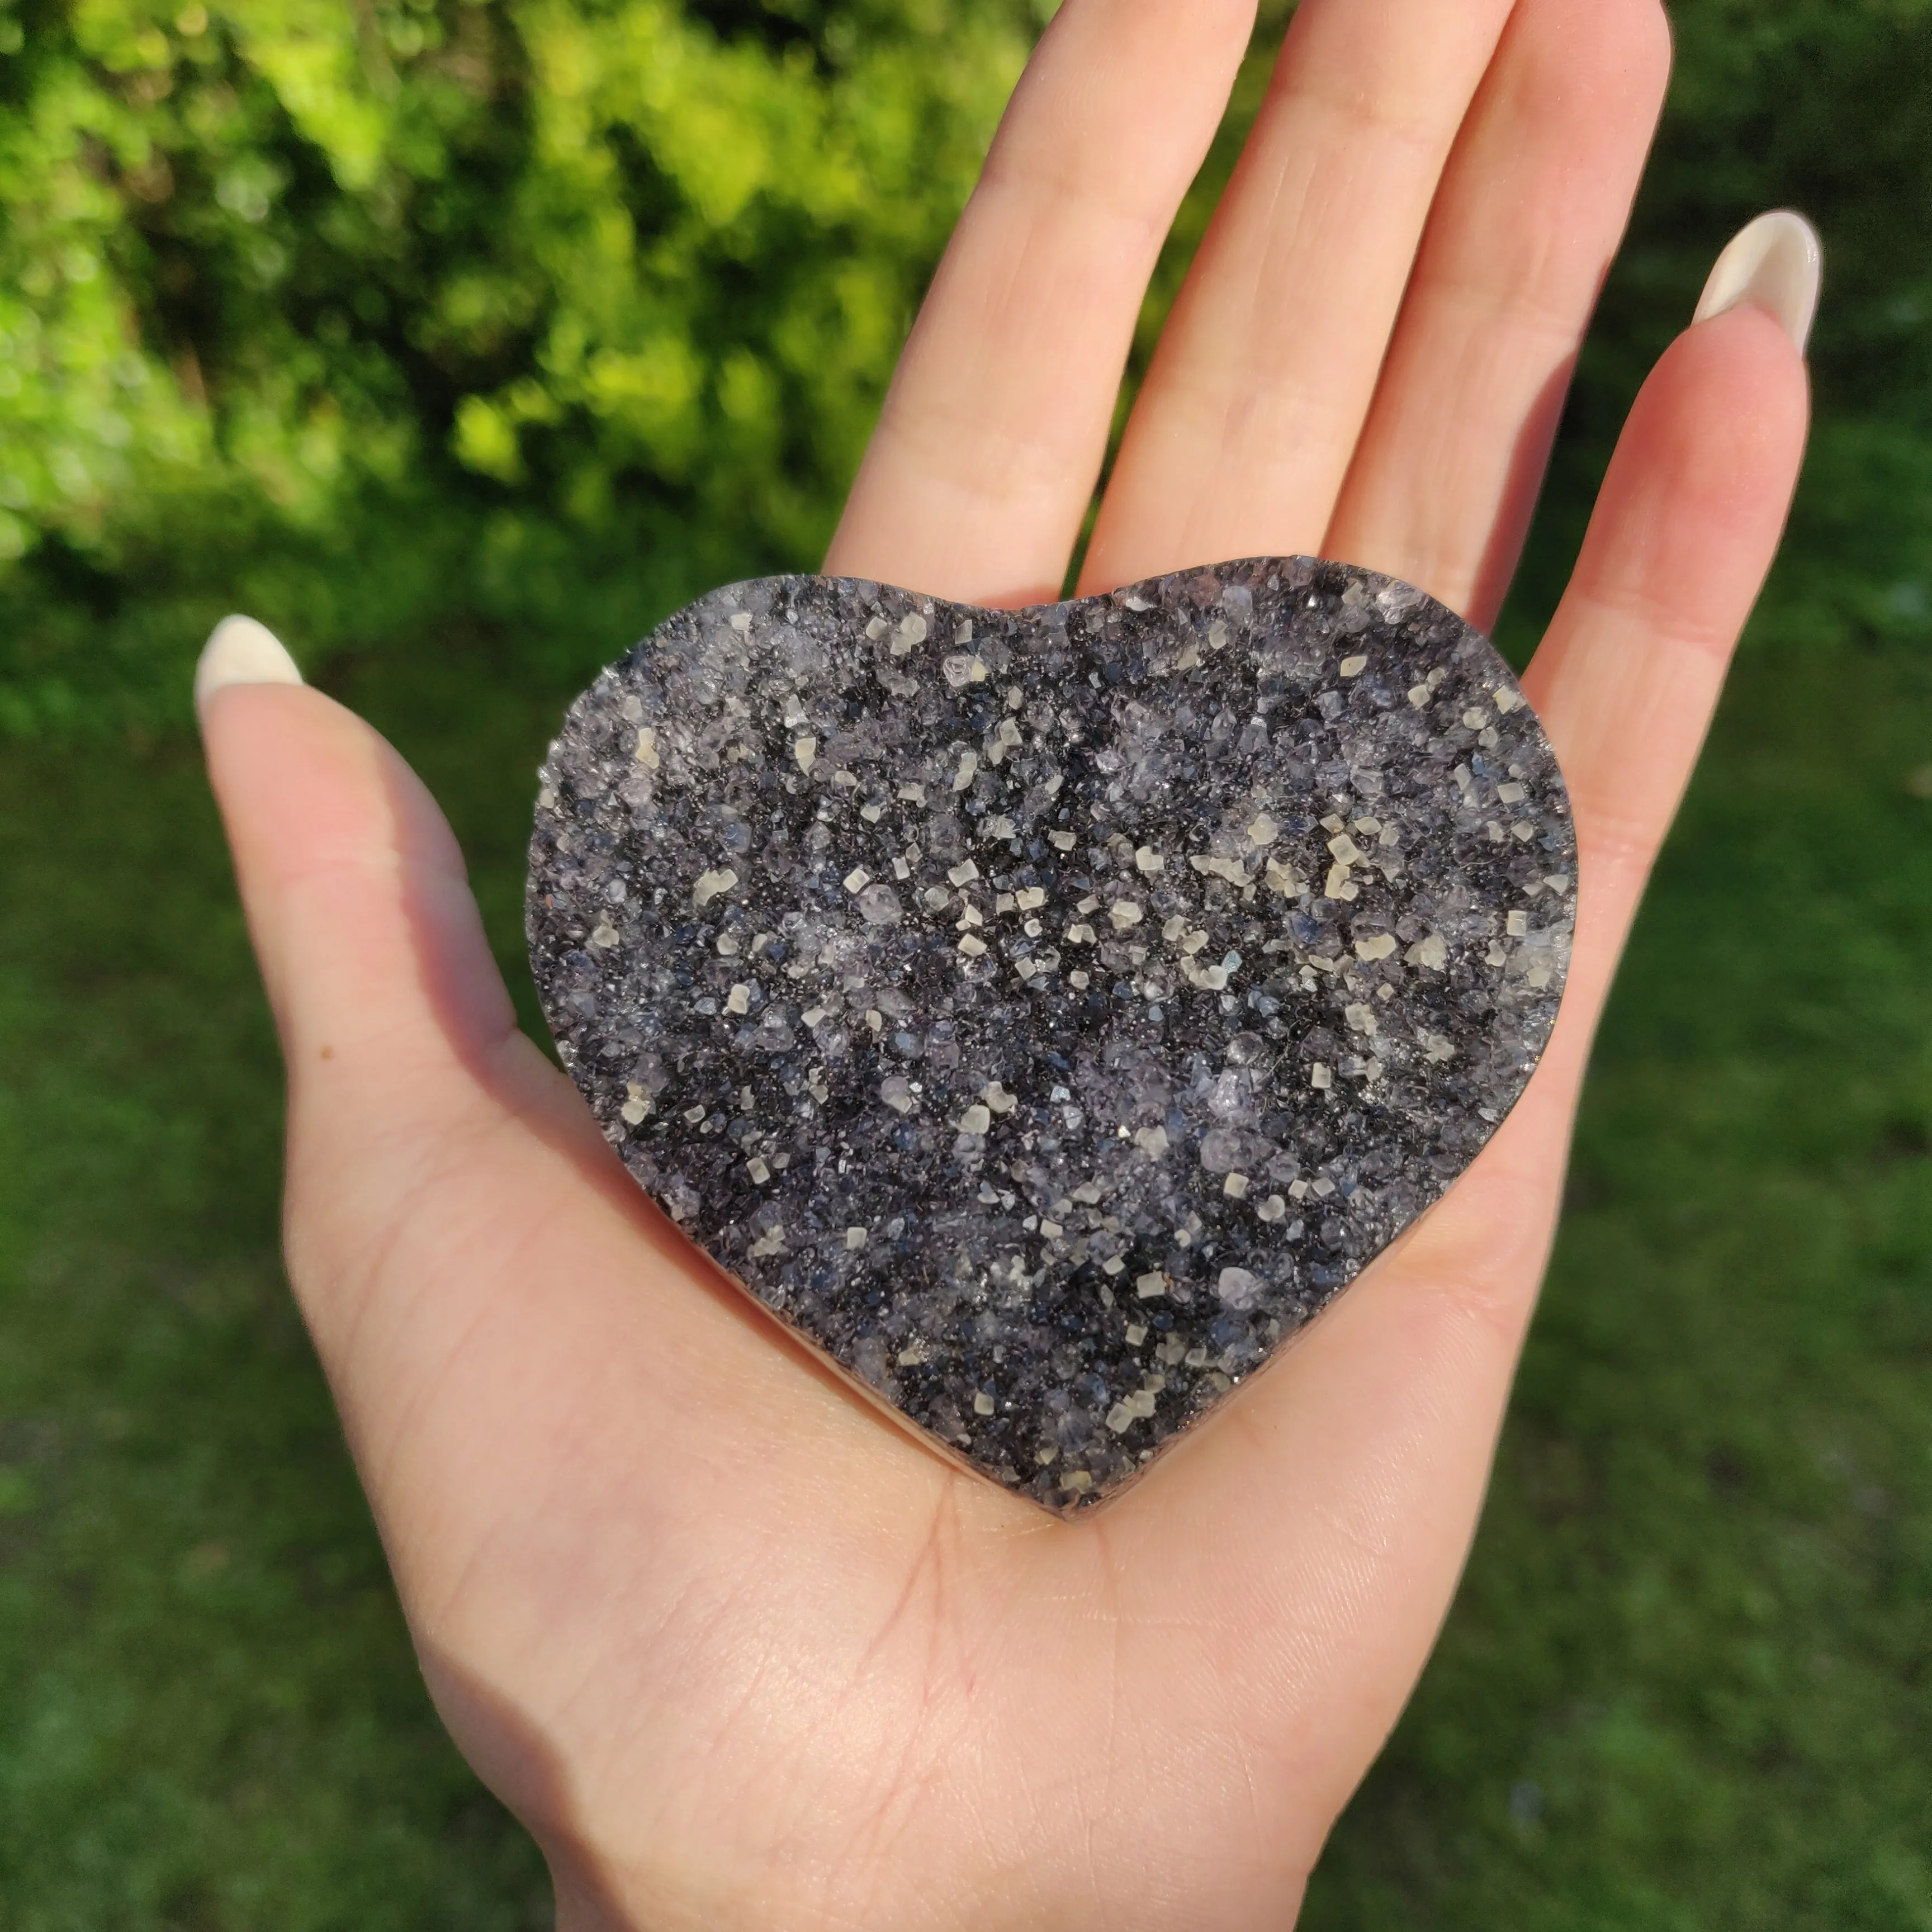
[985,455]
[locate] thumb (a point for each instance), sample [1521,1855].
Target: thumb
[337,842]
[399,1036]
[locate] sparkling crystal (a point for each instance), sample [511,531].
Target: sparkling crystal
[1047,1012]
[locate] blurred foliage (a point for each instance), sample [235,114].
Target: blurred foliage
[363,315]
[548,314]
[1822,105]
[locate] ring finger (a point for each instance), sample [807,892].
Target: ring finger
[1532,207]
[1244,429]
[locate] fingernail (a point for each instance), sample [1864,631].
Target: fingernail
[1777,262]
[240,651]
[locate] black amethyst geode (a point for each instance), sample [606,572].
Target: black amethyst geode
[1047,1012]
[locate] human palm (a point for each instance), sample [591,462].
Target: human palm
[740,1652]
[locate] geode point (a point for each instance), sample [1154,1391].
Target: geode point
[1046,1013]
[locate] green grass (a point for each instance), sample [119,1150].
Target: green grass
[1684,1685]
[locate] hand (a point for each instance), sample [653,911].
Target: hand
[739,1653]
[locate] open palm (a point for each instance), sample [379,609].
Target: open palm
[739,1652]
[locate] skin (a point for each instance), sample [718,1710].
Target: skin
[740,1653]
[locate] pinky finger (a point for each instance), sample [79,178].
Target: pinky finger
[1685,530]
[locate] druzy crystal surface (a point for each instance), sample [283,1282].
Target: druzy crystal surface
[1047,1012]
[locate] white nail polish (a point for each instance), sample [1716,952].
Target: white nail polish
[240,651]
[1777,262]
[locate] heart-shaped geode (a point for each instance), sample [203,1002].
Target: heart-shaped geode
[1046,1012]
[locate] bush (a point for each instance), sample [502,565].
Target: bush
[552,311]
[547,314]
